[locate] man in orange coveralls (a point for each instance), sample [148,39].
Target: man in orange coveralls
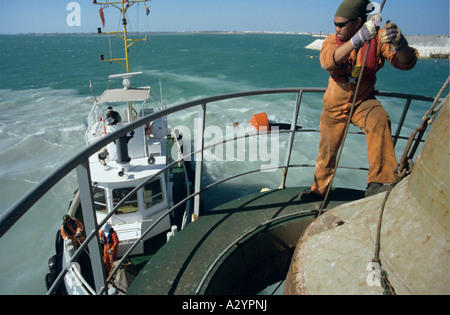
[72,229]
[110,241]
[342,55]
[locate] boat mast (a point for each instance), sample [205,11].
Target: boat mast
[125,39]
[123,6]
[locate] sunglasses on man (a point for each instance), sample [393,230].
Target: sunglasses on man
[341,25]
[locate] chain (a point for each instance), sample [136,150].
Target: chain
[406,162]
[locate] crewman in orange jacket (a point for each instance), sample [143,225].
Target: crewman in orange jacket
[342,55]
[72,229]
[110,241]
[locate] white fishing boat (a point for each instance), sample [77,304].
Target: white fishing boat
[123,196]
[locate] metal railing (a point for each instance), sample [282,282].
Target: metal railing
[80,163]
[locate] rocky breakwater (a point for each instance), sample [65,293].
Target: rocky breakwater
[432,46]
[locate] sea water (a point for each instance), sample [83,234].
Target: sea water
[44,95]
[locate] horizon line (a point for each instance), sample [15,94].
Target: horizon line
[195,32]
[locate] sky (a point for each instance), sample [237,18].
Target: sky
[414,17]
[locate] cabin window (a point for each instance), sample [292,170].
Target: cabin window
[129,206]
[99,199]
[153,193]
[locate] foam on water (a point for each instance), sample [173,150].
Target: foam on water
[39,130]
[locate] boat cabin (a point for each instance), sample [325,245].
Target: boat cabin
[128,162]
[136,214]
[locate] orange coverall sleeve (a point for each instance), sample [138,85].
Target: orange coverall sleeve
[393,57]
[63,232]
[80,226]
[329,47]
[115,241]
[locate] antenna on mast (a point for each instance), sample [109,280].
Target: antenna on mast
[122,6]
[92,90]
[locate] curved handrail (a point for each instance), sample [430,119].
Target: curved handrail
[21,206]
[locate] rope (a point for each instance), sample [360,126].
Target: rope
[388,288]
[348,123]
[345,132]
[403,169]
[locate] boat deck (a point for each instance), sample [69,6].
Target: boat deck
[180,265]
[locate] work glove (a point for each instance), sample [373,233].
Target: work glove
[368,31]
[394,37]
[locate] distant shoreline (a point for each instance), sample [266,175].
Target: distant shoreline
[315,34]
[169,33]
